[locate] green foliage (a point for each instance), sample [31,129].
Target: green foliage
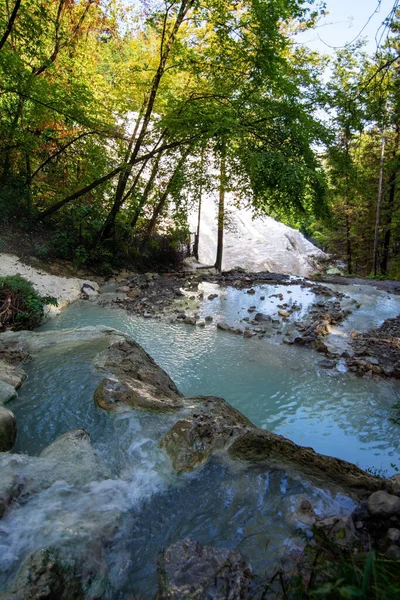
[20,306]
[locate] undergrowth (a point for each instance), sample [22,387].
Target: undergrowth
[21,307]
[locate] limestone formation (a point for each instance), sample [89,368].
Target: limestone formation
[211,426]
[114,394]
[259,446]
[137,382]
[190,571]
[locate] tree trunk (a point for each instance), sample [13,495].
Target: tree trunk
[348,246]
[146,192]
[160,205]
[390,206]
[197,234]
[165,50]
[379,203]
[221,209]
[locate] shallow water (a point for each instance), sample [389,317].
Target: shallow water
[279,387]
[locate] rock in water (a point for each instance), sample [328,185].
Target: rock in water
[8,429]
[138,381]
[190,571]
[212,425]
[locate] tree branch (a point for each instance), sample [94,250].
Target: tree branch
[10,23]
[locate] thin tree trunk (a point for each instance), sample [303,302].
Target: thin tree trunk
[52,209]
[221,209]
[197,234]
[379,202]
[146,191]
[348,246]
[391,197]
[165,50]
[160,205]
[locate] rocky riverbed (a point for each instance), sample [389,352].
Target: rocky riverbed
[180,297]
[198,430]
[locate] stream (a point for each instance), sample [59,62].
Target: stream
[281,388]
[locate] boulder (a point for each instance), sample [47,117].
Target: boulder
[259,446]
[129,363]
[8,429]
[123,289]
[383,505]
[114,394]
[190,571]
[69,458]
[57,574]
[338,529]
[44,576]
[89,291]
[212,426]
[11,374]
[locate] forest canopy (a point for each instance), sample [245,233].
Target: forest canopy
[115,118]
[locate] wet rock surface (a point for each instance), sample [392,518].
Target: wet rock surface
[377,352]
[52,574]
[190,571]
[210,427]
[377,523]
[259,446]
[137,382]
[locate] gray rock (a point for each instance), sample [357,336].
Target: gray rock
[8,429]
[113,394]
[127,361]
[259,446]
[381,504]
[11,374]
[88,290]
[327,364]
[393,536]
[298,512]
[190,571]
[396,484]
[123,289]
[190,320]
[7,392]
[339,529]
[212,425]
[51,574]
[260,318]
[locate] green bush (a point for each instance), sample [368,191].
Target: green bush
[21,307]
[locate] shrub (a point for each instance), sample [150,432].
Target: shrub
[21,307]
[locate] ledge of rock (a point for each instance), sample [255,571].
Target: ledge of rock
[261,446]
[211,426]
[190,571]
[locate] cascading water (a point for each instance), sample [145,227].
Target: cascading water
[136,496]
